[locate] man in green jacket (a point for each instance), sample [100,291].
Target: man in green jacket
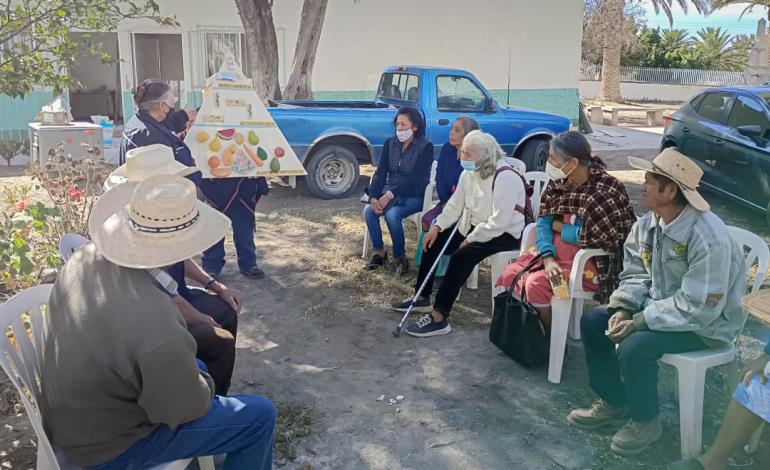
[680,290]
[121,388]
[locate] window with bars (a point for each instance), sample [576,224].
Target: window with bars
[214,42]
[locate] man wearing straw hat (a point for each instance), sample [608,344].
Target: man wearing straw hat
[120,384]
[680,290]
[211,313]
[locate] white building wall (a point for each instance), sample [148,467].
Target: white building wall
[360,38]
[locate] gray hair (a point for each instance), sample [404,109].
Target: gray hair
[468,124]
[489,152]
[150,93]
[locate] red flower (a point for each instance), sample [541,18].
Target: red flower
[74,193]
[21,205]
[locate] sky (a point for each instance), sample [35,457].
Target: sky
[727,18]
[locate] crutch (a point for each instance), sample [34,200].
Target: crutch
[397,331]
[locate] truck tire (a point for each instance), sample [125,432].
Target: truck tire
[535,154]
[332,172]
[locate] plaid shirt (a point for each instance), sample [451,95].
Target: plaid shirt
[604,206]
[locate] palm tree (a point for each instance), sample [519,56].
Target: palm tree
[717,49]
[719,4]
[613,9]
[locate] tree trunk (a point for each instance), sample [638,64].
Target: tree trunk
[300,82]
[610,86]
[257,19]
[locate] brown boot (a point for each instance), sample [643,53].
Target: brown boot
[636,436]
[600,415]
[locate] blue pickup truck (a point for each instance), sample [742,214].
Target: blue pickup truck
[333,137]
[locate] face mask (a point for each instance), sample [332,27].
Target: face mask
[403,136]
[553,172]
[468,165]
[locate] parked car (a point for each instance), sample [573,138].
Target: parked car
[726,131]
[333,137]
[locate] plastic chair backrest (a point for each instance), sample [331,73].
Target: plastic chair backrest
[22,358]
[70,243]
[757,252]
[538,180]
[516,164]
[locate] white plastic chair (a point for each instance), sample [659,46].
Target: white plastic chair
[427,204]
[691,367]
[538,180]
[22,362]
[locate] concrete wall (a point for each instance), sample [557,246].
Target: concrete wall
[644,91]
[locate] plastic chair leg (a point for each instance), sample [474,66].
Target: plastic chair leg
[473,279]
[442,265]
[418,255]
[751,447]
[559,325]
[365,250]
[692,381]
[574,319]
[206,463]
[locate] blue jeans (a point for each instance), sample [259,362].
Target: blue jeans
[240,426]
[394,217]
[243,235]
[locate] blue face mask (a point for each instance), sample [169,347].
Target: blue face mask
[468,165]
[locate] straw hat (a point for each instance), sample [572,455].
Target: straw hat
[143,162]
[758,304]
[154,223]
[678,168]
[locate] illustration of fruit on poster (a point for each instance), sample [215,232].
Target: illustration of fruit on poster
[234,135]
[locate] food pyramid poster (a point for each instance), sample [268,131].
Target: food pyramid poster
[234,135]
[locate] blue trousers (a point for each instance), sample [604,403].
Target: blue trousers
[394,217]
[240,426]
[244,225]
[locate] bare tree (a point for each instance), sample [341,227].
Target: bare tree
[300,81]
[257,19]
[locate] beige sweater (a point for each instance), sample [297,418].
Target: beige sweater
[118,361]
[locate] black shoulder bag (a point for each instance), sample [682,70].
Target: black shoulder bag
[516,328]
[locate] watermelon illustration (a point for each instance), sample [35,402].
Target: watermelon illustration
[226,134]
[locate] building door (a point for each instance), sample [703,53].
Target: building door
[100,93]
[159,56]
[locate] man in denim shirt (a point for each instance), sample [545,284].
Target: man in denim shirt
[680,290]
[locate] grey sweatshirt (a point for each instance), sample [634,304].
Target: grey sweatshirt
[118,361]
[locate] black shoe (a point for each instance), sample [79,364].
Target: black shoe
[376,262]
[421,305]
[253,273]
[402,267]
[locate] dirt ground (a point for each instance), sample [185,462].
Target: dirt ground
[315,337]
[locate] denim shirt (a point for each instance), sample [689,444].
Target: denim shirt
[688,275]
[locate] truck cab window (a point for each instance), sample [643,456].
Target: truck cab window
[459,94]
[399,86]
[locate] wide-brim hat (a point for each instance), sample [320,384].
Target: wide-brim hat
[679,169]
[758,304]
[143,162]
[154,223]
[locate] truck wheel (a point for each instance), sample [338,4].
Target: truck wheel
[332,172]
[535,154]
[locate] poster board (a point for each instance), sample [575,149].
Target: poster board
[234,136]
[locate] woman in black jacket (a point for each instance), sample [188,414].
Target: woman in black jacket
[398,185]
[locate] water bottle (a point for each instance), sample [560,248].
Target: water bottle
[107,128]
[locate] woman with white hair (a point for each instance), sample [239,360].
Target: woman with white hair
[489,206]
